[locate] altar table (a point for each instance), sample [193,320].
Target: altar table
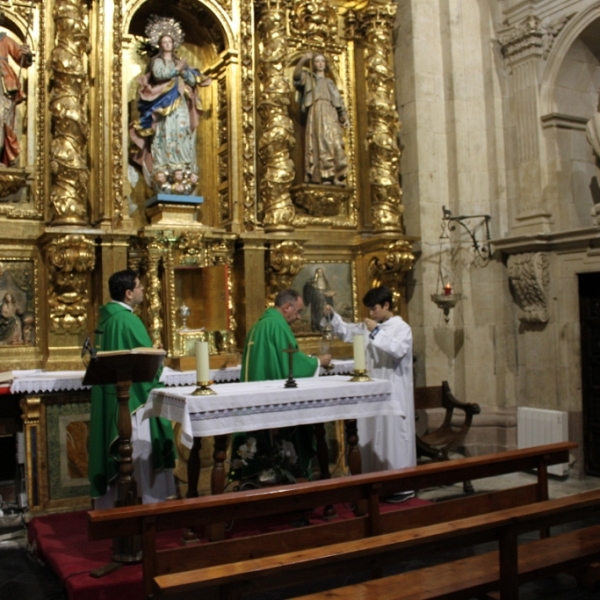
[267,404]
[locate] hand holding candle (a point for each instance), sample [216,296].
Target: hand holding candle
[358,342]
[202,369]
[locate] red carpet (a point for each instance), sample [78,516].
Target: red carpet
[61,541]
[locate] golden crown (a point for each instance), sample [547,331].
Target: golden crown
[158,27]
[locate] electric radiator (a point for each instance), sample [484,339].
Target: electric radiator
[537,426]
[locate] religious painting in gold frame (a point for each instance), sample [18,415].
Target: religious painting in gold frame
[325,282]
[56,428]
[17,304]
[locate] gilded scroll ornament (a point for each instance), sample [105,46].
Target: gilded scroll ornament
[285,261]
[314,20]
[277,139]
[70,260]
[383,124]
[321,200]
[391,271]
[529,275]
[11,183]
[69,110]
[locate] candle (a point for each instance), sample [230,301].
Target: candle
[202,370]
[447,289]
[359,353]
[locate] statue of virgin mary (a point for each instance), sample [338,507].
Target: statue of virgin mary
[169,111]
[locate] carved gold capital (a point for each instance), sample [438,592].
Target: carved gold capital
[31,408]
[321,200]
[285,260]
[391,269]
[315,21]
[529,276]
[70,260]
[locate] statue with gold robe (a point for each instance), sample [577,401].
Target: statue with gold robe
[325,160]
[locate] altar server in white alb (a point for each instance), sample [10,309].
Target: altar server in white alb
[386,442]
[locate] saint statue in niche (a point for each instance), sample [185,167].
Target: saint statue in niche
[169,111]
[11,95]
[325,160]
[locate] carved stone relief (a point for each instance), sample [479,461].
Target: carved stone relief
[529,275]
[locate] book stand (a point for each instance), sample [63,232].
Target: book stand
[122,370]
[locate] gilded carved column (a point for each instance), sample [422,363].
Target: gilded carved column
[70,260]
[248,118]
[277,139]
[69,111]
[153,291]
[383,125]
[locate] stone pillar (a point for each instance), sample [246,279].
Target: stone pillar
[525,46]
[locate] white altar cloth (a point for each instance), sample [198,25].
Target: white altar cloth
[37,381]
[267,404]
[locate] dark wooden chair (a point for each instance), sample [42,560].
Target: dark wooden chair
[438,444]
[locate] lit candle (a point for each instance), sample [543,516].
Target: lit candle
[202,370]
[447,289]
[358,342]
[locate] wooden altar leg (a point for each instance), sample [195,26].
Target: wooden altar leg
[217,480]
[323,458]
[193,469]
[216,531]
[354,460]
[193,477]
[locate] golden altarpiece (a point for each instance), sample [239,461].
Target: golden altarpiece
[74,207]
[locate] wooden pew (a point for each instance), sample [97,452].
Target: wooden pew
[504,569]
[361,490]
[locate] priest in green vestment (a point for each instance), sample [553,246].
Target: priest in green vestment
[152,439]
[262,359]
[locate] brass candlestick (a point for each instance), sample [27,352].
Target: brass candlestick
[360,375]
[204,389]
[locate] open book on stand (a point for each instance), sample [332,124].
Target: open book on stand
[141,350]
[118,366]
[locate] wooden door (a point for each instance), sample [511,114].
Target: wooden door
[589,311]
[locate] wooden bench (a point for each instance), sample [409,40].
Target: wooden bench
[438,443]
[363,491]
[504,569]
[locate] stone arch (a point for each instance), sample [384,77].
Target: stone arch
[568,99]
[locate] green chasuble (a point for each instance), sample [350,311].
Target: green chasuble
[122,330]
[263,358]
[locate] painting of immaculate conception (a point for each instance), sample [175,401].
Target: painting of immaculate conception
[321,284]
[17,317]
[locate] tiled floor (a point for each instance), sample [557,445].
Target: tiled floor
[22,577]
